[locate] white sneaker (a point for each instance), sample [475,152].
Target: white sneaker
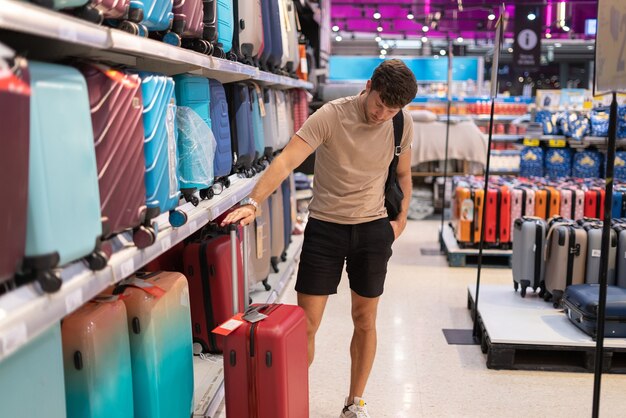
[357,410]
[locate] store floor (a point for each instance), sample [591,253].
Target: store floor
[416,373]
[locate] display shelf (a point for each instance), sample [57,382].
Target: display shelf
[506,152]
[26,312]
[505,138]
[483,118]
[435,174]
[69,37]
[208,369]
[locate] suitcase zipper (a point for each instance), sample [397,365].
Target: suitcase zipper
[498,209]
[574,249]
[206,293]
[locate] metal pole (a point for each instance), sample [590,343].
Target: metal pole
[604,259]
[234,267]
[445,177]
[246,267]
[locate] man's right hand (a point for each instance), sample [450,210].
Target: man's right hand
[243,215]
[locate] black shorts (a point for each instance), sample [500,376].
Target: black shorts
[366,249]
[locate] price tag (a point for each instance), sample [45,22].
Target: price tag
[73,301]
[557,143]
[14,338]
[230,325]
[127,268]
[596,253]
[531,142]
[166,243]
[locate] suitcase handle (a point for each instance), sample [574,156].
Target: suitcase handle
[234,266]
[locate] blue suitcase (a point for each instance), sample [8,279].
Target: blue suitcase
[225,25]
[159,121]
[151,15]
[580,305]
[257,126]
[63,221]
[617,210]
[273,47]
[286,189]
[31,380]
[558,162]
[223,162]
[241,130]
[193,91]
[267,36]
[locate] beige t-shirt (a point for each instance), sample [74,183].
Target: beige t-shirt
[351,161]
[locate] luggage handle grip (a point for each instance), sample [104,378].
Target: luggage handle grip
[234,268]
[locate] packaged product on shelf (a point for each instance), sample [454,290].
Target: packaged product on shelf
[558,162]
[587,164]
[600,122]
[549,122]
[531,164]
[620,165]
[621,121]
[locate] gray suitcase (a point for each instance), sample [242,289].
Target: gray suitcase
[259,249]
[270,125]
[566,257]
[529,237]
[620,258]
[594,246]
[278,227]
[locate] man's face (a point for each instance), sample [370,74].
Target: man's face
[375,110]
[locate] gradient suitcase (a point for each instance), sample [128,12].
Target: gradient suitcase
[151,15]
[192,91]
[159,121]
[300,108]
[580,305]
[594,204]
[14,117]
[278,227]
[159,325]
[566,256]
[116,115]
[96,356]
[594,253]
[259,251]
[529,235]
[250,28]
[220,124]
[241,130]
[188,21]
[209,270]
[61,154]
[258,120]
[270,127]
[266,365]
[31,379]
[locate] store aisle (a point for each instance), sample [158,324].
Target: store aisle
[416,373]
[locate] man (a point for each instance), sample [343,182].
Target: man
[348,222]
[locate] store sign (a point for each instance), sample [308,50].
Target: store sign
[611,46]
[527,42]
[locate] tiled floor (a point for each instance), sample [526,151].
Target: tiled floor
[416,374]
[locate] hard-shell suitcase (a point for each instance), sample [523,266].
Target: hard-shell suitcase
[273,42]
[60,227]
[188,21]
[620,165]
[267,35]
[284,34]
[575,205]
[220,124]
[270,127]
[617,210]
[278,227]
[491,217]
[258,120]
[84,9]
[225,25]
[300,108]
[594,250]
[159,325]
[580,304]
[192,91]
[470,221]
[594,203]
[116,115]
[209,269]
[529,235]
[14,117]
[112,9]
[152,15]
[292,36]
[522,203]
[159,121]
[620,258]
[249,26]
[259,252]
[498,216]
[37,365]
[566,256]
[282,120]
[242,133]
[96,356]
[567,206]
[547,203]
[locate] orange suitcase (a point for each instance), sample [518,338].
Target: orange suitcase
[471,207]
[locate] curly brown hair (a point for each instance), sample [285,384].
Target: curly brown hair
[395,83]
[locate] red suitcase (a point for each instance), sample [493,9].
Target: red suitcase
[594,204]
[209,271]
[266,369]
[504,216]
[171,260]
[491,215]
[14,111]
[116,115]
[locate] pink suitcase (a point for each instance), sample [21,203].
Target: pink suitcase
[566,203]
[522,204]
[188,18]
[112,9]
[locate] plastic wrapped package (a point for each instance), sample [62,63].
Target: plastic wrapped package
[587,164]
[558,162]
[621,121]
[620,166]
[549,121]
[600,122]
[196,150]
[531,162]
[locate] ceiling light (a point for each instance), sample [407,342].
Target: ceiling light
[376,15]
[459,39]
[383,52]
[382,57]
[338,38]
[548,35]
[491,16]
[558,45]
[379,29]
[442,52]
[335,28]
[510,50]
[385,46]
[424,39]
[424,28]
[378,39]
[410,15]
[590,47]
[521,79]
[566,28]
[531,16]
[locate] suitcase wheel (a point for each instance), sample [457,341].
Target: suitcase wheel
[135,14]
[90,14]
[218,52]
[177,218]
[129,27]
[515,285]
[227,183]
[144,236]
[207,193]
[50,282]
[172,38]
[523,292]
[97,260]
[266,285]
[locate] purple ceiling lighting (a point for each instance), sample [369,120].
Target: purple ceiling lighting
[446,18]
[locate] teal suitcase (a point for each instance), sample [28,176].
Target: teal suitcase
[63,221]
[31,380]
[258,118]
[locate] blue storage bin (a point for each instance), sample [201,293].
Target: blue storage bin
[558,162]
[531,162]
[600,122]
[587,164]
